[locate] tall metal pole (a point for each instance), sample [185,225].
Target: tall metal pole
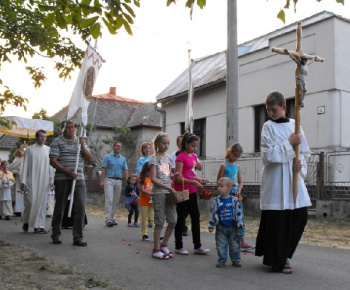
[232,74]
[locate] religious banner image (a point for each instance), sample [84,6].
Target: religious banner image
[84,87]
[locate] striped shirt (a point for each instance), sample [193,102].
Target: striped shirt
[114,165]
[65,151]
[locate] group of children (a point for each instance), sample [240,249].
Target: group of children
[282,220]
[149,193]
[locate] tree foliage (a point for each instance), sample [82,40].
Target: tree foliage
[282,15]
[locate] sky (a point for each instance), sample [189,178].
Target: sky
[142,65]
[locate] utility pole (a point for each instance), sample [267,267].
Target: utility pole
[231,74]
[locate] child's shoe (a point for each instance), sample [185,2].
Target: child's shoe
[145,238]
[247,246]
[181,251]
[157,254]
[130,225]
[201,251]
[220,265]
[165,250]
[236,264]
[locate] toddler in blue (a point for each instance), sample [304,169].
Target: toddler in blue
[227,217]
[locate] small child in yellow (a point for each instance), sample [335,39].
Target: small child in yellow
[146,206]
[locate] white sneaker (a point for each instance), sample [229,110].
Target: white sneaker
[201,251]
[181,251]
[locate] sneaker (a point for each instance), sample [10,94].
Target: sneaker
[109,224]
[25,227]
[181,251]
[220,265]
[146,238]
[236,264]
[247,246]
[136,225]
[130,225]
[165,250]
[40,231]
[115,223]
[7,218]
[201,251]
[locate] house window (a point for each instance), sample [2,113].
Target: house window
[199,129]
[261,117]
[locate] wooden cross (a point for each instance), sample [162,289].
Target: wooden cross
[301,69]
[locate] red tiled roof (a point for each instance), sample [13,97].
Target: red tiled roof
[115,98]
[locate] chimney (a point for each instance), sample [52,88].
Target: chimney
[113,91]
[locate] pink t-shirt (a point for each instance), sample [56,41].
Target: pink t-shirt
[188,171]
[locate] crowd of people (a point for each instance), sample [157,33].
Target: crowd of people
[149,192]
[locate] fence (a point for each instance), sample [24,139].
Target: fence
[328,176]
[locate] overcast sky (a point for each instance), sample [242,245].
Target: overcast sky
[142,65]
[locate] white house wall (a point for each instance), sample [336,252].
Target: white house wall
[263,71]
[210,105]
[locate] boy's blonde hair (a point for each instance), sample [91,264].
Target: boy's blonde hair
[227,181]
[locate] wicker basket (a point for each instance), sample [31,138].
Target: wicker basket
[180,196]
[206,194]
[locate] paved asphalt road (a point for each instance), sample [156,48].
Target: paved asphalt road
[119,255]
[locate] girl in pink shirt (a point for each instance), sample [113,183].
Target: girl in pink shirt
[185,165]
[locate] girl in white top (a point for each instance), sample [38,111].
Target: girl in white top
[163,206]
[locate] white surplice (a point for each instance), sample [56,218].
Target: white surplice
[35,175]
[276,191]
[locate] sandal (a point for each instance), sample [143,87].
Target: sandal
[157,254]
[285,270]
[165,250]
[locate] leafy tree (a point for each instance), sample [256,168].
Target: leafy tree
[98,143]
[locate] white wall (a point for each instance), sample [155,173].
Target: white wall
[262,71]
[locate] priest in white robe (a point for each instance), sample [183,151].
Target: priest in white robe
[35,180]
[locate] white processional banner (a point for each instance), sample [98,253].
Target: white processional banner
[26,128]
[189,107]
[82,93]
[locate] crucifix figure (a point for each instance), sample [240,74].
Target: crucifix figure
[301,70]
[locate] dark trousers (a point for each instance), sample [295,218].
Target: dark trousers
[62,190]
[183,208]
[133,208]
[279,234]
